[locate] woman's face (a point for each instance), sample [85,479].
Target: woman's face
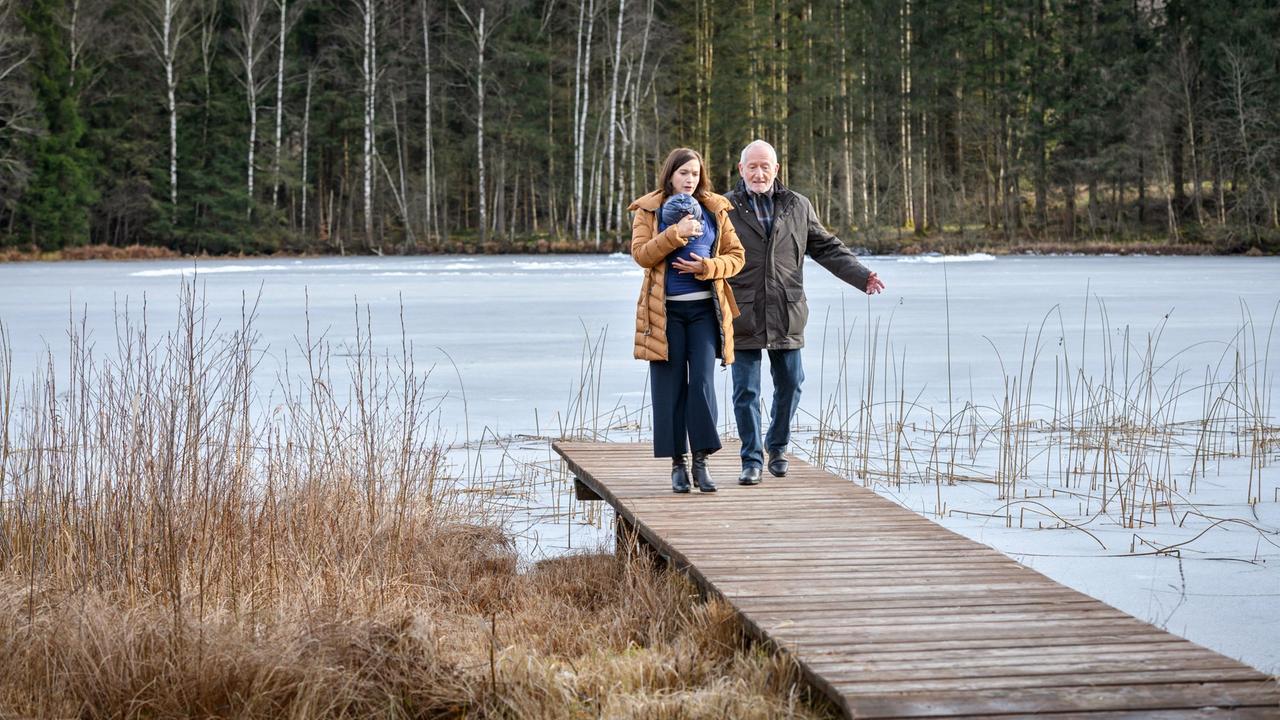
[685,178]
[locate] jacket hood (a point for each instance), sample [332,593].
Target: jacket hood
[653,201]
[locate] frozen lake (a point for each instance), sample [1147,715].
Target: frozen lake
[1139,349]
[516,326]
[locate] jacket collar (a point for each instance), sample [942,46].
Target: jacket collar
[651,202]
[779,190]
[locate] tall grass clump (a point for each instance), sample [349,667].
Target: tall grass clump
[181,537]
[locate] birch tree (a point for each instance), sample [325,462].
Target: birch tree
[636,98]
[369,76]
[581,97]
[482,27]
[306,140]
[88,33]
[611,145]
[286,22]
[429,219]
[169,22]
[207,20]
[251,48]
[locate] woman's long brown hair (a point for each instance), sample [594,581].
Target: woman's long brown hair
[674,160]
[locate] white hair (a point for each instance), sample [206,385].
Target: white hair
[758,143]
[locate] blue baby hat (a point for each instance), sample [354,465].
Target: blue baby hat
[677,206]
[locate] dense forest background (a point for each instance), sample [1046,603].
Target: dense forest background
[417,125]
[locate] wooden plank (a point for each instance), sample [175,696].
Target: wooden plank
[926,659]
[825,620]
[1080,699]
[1240,713]
[1063,668]
[1068,638]
[965,602]
[1057,676]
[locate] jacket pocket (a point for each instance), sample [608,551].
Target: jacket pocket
[747,322]
[797,311]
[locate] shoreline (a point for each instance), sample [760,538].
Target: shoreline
[958,244]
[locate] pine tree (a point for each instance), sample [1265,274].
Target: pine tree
[55,207]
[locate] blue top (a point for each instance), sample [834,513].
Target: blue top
[675,208]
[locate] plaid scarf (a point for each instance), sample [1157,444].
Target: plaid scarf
[762,204]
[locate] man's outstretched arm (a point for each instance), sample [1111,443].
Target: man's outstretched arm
[832,254]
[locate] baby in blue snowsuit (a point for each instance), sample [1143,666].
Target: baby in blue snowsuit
[677,206]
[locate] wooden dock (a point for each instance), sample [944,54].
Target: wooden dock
[892,615]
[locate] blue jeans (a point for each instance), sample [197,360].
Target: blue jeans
[788,374]
[684,392]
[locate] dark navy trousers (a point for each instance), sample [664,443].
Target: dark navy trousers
[683,387]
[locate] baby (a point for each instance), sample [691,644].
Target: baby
[677,206]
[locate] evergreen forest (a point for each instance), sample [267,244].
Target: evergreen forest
[389,126]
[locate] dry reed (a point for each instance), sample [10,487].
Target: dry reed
[1109,437]
[176,541]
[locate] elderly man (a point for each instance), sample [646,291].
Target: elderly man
[778,227]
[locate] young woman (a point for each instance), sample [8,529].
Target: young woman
[684,319]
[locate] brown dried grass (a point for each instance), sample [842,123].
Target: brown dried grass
[171,548]
[88,252]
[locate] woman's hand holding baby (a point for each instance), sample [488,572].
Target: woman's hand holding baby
[694,265]
[688,227]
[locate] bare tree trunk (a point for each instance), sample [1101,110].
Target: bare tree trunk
[959,154]
[582,90]
[870,185]
[846,120]
[252,47]
[613,213]
[923,216]
[1165,154]
[1240,82]
[1186,77]
[904,117]
[754,110]
[401,192]
[280,45]
[208,23]
[782,61]
[306,139]
[481,33]
[170,47]
[704,42]
[369,67]
[637,97]
[481,188]
[431,228]
[597,183]
[169,22]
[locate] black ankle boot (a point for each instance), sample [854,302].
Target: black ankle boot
[701,475]
[679,475]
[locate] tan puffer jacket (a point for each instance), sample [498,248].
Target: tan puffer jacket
[650,248]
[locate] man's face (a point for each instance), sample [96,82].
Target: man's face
[758,169]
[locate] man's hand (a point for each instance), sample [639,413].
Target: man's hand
[693,266]
[874,284]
